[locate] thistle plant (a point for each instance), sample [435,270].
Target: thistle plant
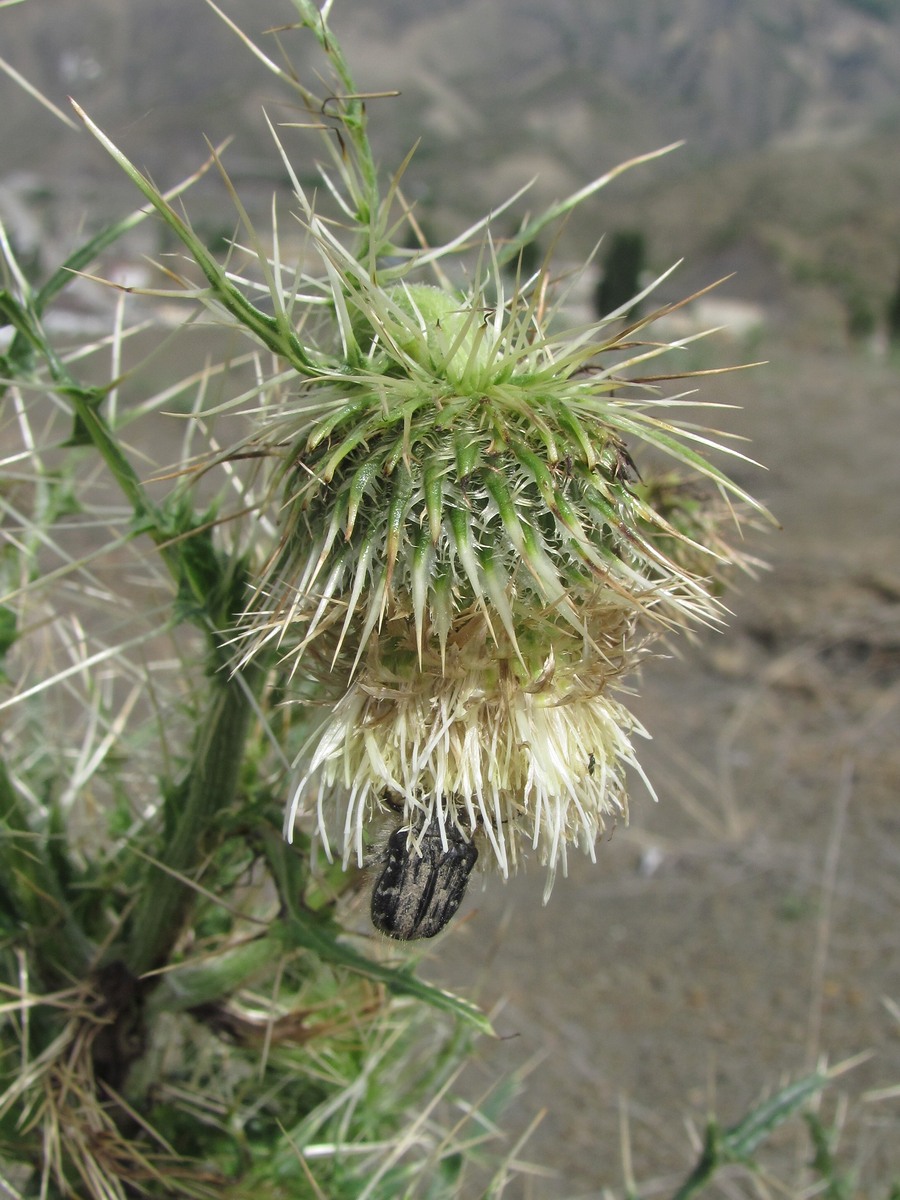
[393,613]
[468,562]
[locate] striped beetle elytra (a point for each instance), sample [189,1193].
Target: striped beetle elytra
[422,884]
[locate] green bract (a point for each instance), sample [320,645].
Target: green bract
[437,330]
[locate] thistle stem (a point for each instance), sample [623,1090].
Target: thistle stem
[208,790]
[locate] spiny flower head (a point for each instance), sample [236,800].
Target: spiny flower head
[468,552]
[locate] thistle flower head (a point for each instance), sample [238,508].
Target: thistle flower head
[469,559]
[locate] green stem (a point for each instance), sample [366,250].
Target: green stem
[352,110]
[171,531]
[85,402]
[711,1158]
[209,789]
[275,333]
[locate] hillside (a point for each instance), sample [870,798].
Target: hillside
[789,110]
[724,75]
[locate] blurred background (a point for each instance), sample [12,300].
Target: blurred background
[746,927]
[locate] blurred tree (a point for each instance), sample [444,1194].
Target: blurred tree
[893,315]
[861,318]
[621,272]
[530,257]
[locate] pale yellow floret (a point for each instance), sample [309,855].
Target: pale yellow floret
[538,765]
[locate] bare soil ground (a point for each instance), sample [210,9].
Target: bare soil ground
[746,927]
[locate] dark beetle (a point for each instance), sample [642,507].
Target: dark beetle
[421,884]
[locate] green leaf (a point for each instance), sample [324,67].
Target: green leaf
[317,932]
[738,1143]
[306,929]
[34,895]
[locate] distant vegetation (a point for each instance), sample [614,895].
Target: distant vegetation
[882,9]
[621,274]
[893,315]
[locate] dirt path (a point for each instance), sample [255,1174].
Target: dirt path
[749,922]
